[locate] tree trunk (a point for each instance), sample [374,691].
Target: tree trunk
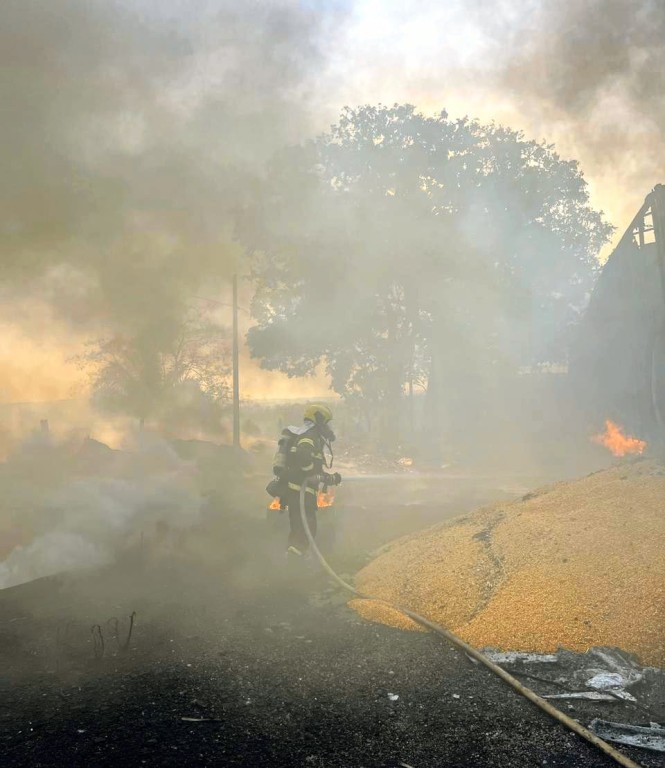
[432,422]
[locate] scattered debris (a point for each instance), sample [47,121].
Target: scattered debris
[201,719]
[600,674]
[624,670]
[652,737]
[98,642]
[393,696]
[114,627]
[604,680]
[589,695]
[510,657]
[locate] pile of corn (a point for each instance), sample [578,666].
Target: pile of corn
[575,565]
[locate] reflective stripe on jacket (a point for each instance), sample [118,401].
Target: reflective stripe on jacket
[306,458]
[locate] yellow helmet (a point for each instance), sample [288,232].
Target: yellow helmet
[318,412]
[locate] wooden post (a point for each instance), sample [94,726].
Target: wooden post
[236,371]
[412,423]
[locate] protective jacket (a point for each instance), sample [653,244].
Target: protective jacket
[305,459]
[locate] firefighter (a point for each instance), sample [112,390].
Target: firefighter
[306,458]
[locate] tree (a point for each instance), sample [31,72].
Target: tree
[395,237]
[154,373]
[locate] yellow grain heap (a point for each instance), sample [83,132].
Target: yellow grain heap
[574,565]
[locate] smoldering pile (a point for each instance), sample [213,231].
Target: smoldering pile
[575,565]
[63,508]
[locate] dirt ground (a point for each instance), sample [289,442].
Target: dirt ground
[237,658]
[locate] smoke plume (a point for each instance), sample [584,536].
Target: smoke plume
[85,521]
[131,134]
[584,74]
[598,67]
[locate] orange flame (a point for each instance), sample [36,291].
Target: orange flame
[617,442]
[326,499]
[323,499]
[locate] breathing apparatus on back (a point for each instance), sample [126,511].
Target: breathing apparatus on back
[316,417]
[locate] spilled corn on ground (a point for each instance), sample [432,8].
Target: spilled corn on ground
[575,565]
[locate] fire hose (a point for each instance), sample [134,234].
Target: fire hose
[573,725]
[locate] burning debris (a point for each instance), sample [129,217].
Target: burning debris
[576,565]
[323,499]
[618,443]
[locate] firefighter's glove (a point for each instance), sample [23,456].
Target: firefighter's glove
[334,479]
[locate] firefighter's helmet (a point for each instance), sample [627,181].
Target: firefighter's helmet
[319,413]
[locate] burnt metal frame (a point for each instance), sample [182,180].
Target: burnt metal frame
[650,218]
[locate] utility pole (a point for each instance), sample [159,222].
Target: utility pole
[236,372]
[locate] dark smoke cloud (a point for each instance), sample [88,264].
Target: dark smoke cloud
[585,74]
[595,68]
[575,51]
[131,132]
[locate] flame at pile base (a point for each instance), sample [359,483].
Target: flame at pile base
[323,499]
[617,442]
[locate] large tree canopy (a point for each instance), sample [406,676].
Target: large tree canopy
[395,237]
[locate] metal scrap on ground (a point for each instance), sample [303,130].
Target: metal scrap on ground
[651,737]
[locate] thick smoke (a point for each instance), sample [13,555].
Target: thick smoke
[578,52]
[87,520]
[592,73]
[584,74]
[602,64]
[135,132]
[132,132]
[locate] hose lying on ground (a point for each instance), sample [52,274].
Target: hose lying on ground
[573,725]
